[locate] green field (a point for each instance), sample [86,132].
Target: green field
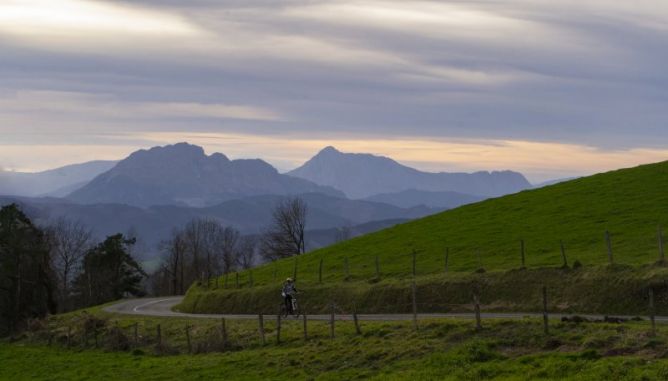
[629,203]
[446,349]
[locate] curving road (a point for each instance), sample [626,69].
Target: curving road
[163,307]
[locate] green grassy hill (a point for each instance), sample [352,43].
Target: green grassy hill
[102,346]
[629,203]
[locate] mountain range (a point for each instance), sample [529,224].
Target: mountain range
[153,191]
[414,197]
[55,182]
[365,175]
[182,174]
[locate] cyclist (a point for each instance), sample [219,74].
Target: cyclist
[288,292]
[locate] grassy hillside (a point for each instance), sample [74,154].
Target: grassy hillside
[630,203]
[613,290]
[440,350]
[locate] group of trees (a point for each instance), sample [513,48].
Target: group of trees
[200,250]
[27,283]
[204,248]
[58,268]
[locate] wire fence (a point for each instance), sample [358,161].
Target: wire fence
[374,269]
[91,331]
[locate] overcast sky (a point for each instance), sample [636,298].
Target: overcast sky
[548,88]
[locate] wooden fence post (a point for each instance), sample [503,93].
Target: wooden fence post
[545,317]
[278,328]
[563,254]
[320,272]
[522,254]
[414,263]
[608,242]
[358,330]
[414,293]
[377,267]
[331,321]
[652,311]
[190,348]
[223,331]
[260,319]
[305,327]
[447,255]
[476,306]
[662,257]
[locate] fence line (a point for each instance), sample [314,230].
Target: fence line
[192,345]
[348,272]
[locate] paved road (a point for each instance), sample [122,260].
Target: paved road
[163,307]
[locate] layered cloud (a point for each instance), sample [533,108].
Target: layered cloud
[550,74]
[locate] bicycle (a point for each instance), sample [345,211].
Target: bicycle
[295,308]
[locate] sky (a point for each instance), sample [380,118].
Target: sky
[548,88]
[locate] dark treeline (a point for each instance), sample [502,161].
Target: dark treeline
[58,269]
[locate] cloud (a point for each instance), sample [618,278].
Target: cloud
[70,105]
[60,22]
[572,73]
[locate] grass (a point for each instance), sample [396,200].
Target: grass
[445,349]
[630,203]
[619,289]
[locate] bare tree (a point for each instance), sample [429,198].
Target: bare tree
[285,237]
[245,257]
[201,250]
[228,242]
[68,241]
[194,237]
[211,231]
[174,263]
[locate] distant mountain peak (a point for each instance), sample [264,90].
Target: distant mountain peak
[362,175]
[329,150]
[181,149]
[183,174]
